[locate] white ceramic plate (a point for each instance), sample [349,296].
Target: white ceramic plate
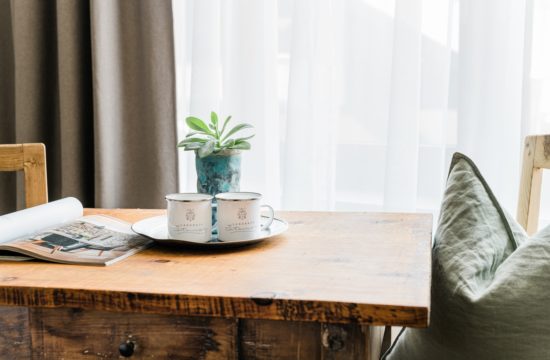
[156,228]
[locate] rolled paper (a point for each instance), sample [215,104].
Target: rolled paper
[32,220]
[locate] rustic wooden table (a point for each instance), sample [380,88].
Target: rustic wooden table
[322,290]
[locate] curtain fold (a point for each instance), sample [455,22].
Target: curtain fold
[46,57]
[357,104]
[8,199]
[311,132]
[490,90]
[227,68]
[403,140]
[104,109]
[373,96]
[249,88]
[134,102]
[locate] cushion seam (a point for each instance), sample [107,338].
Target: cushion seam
[384,356]
[459,156]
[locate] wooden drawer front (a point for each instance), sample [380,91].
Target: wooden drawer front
[77,334]
[271,339]
[14,333]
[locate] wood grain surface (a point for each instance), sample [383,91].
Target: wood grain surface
[269,339]
[76,334]
[364,268]
[66,333]
[15,338]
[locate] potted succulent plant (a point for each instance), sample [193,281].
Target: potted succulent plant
[217,153]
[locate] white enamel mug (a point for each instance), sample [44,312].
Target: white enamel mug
[190,216]
[239,216]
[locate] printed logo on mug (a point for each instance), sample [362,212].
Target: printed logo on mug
[190,216]
[239,216]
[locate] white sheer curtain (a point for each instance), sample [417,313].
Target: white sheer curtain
[359,104]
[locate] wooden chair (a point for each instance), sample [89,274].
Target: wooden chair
[31,158]
[536,157]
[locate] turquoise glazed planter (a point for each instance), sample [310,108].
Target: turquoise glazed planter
[219,172]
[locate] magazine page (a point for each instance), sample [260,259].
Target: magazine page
[92,240]
[28,221]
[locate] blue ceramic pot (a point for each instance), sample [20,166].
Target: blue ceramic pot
[219,172]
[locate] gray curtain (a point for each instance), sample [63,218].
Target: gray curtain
[94,81]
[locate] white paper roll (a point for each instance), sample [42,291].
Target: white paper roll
[32,220]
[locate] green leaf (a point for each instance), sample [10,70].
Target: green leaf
[197,125]
[193,133]
[191,140]
[228,143]
[243,145]
[214,118]
[206,149]
[225,124]
[192,146]
[236,129]
[244,138]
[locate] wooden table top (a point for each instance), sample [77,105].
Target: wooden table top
[368,268]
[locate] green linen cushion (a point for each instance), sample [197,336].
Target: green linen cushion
[490,282]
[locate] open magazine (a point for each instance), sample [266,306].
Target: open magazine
[59,232]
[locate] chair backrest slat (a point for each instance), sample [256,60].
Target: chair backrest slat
[536,157]
[31,159]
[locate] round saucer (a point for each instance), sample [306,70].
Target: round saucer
[156,228]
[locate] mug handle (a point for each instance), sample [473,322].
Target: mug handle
[271,217]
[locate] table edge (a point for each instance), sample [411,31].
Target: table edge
[264,306]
